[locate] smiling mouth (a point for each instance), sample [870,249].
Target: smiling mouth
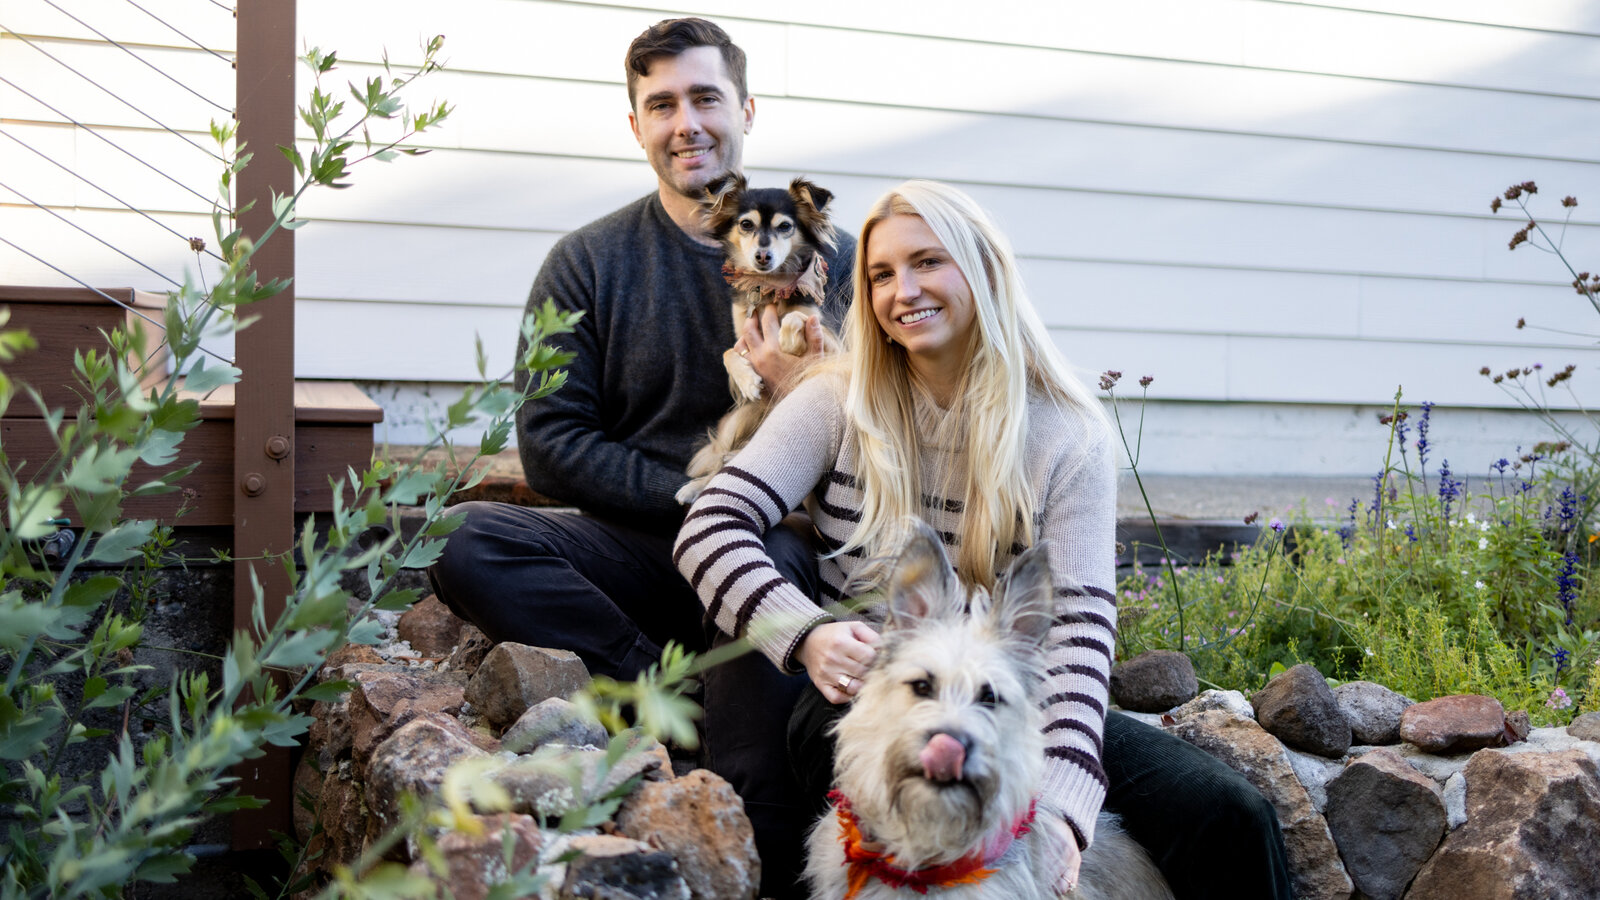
[913,318]
[692,154]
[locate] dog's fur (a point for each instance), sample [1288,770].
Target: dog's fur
[943,672]
[773,241]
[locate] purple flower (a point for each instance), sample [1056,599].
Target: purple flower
[1276,524]
[1567,583]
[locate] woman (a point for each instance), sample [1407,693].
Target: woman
[952,405]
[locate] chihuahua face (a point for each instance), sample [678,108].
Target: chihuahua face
[767,230]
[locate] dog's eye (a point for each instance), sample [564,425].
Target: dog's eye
[746,226]
[922,687]
[987,697]
[785,227]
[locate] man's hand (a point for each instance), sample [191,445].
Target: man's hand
[758,342]
[836,656]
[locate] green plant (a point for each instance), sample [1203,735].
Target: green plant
[59,626]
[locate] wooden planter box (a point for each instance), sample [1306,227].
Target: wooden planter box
[333,420]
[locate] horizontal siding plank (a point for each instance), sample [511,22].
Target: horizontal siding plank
[361,261]
[202,20]
[492,190]
[151,95]
[37,159]
[963,146]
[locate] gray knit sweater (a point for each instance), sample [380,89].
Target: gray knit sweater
[647,381]
[807,446]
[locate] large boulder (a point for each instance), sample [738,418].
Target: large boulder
[1456,724]
[387,698]
[619,868]
[1372,710]
[1154,681]
[413,760]
[1249,750]
[701,822]
[1387,819]
[554,721]
[1298,708]
[514,677]
[1586,727]
[477,863]
[430,627]
[1532,831]
[555,780]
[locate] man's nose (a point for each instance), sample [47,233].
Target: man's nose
[688,120]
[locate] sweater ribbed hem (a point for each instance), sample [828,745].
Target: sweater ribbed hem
[786,614]
[1075,795]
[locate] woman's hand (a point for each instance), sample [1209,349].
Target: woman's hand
[758,342]
[836,656]
[1059,847]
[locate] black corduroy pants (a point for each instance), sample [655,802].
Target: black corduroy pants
[611,594]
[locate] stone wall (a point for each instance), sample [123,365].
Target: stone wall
[1378,797]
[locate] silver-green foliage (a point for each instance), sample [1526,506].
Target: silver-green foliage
[92,836]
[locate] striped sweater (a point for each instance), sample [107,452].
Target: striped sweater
[806,448]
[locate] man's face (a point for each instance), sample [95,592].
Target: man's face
[688,118]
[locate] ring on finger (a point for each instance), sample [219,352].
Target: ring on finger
[844,682]
[744,351]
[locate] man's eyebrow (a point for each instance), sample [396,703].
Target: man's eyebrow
[658,95]
[701,89]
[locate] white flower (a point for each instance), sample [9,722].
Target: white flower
[1471,519]
[1483,526]
[1479,585]
[1369,652]
[1391,524]
[1483,543]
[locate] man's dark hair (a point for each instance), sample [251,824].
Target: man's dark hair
[670,37]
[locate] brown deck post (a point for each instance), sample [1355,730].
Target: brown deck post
[263,422]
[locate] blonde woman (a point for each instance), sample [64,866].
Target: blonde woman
[950,404]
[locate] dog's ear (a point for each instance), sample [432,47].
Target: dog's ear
[720,200]
[1024,600]
[922,585]
[809,201]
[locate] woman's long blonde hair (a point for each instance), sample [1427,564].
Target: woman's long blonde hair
[1011,354]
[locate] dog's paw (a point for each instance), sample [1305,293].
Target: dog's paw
[747,384]
[792,334]
[690,492]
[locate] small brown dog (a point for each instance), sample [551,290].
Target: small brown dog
[773,240]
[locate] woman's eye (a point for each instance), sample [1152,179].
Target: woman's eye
[922,687]
[879,277]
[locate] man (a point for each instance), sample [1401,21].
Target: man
[645,385]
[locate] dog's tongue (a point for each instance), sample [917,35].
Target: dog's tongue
[942,758]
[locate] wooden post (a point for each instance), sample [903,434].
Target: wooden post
[263,422]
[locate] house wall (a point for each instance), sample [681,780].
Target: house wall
[1278,210]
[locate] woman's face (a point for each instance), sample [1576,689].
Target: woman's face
[919,296]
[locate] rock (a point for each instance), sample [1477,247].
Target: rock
[344,816]
[616,868]
[514,677]
[414,759]
[1387,819]
[1518,724]
[1455,801]
[1532,830]
[701,822]
[384,700]
[553,721]
[1154,681]
[1372,710]
[352,653]
[1229,701]
[1314,773]
[1586,727]
[478,863]
[1454,724]
[430,627]
[470,650]
[1249,750]
[542,784]
[1546,740]
[1298,708]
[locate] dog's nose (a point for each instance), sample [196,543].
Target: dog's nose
[763,258]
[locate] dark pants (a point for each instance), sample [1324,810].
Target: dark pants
[1209,830]
[611,594]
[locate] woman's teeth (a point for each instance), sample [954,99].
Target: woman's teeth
[910,318]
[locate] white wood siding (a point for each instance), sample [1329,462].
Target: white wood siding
[1278,209]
